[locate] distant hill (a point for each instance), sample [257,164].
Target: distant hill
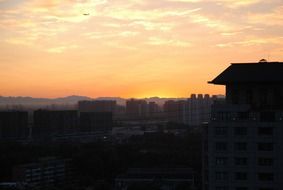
[70,100]
[41,101]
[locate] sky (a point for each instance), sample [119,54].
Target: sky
[134,48]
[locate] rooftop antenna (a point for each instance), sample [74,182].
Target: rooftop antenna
[263,61]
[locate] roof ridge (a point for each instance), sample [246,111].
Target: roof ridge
[252,63]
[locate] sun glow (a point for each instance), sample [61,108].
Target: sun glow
[136,48]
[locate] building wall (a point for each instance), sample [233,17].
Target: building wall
[46,173]
[198,109]
[13,125]
[174,111]
[97,106]
[242,149]
[96,121]
[49,123]
[136,109]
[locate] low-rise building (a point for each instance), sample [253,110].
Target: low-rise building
[163,178]
[46,172]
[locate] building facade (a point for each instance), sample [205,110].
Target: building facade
[13,125]
[136,109]
[97,106]
[156,178]
[174,111]
[45,173]
[243,140]
[198,109]
[49,123]
[96,122]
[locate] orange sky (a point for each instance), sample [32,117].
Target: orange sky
[137,48]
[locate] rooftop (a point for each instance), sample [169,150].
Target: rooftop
[261,72]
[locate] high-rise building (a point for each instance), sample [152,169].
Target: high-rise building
[136,108]
[48,123]
[244,138]
[13,125]
[174,111]
[198,109]
[153,110]
[97,106]
[92,122]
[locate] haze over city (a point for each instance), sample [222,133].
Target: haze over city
[137,48]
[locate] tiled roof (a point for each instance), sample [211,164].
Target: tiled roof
[266,72]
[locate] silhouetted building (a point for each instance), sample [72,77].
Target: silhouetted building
[174,111]
[136,108]
[51,123]
[198,109]
[46,173]
[160,178]
[244,139]
[153,110]
[13,125]
[96,122]
[97,106]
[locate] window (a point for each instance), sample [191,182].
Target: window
[241,176]
[240,131]
[265,176]
[221,161]
[223,116]
[243,115]
[241,146]
[267,116]
[220,131]
[221,146]
[221,175]
[265,146]
[265,161]
[268,131]
[241,161]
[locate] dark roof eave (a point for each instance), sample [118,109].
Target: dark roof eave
[244,82]
[217,83]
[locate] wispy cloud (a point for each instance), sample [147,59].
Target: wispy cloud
[168,42]
[272,18]
[253,42]
[239,3]
[61,49]
[119,36]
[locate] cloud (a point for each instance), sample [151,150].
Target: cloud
[46,23]
[272,18]
[61,49]
[216,24]
[167,42]
[238,3]
[133,14]
[253,42]
[228,3]
[186,1]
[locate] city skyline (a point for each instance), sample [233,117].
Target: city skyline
[137,48]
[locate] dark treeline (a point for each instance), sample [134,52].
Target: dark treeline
[99,163]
